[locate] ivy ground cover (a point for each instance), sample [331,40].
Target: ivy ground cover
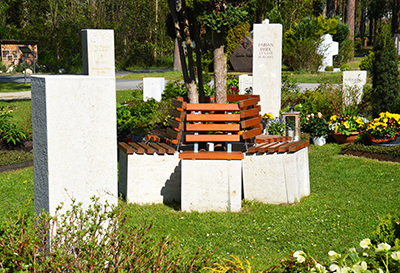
[348,197]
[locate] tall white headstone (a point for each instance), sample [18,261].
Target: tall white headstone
[267,66]
[98,52]
[353,84]
[245,83]
[153,88]
[328,48]
[74,140]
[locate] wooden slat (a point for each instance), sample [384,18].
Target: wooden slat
[212,138]
[250,122]
[175,124]
[272,138]
[285,148]
[125,147]
[212,117]
[148,150]
[138,149]
[159,150]
[251,133]
[174,134]
[213,127]
[212,107]
[265,148]
[168,148]
[298,146]
[236,98]
[251,112]
[177,114]
[275,148]
[216,155]
[249,102]
[254,149]
[178,103]
[153,138]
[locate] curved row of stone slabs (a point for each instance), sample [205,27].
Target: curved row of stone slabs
[277,173]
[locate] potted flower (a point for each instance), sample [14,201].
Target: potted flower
[273,126]
[346,127]
[385,129]
[317,127]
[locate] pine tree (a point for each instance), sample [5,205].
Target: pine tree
[385,79]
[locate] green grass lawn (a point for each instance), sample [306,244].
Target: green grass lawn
[348,196]
[14,87]
[168,75]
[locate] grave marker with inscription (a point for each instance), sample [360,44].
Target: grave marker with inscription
[242,57]
[245,83]
[353,84]
[98,52]
[267,66]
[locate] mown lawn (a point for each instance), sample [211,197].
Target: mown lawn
[348,197]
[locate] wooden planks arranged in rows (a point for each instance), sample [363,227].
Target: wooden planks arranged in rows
[143,148]
[278,147]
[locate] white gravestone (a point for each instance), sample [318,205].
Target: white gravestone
[245,83]
[153,88]
[353,85]
[328,48]
[74,140]
[98,52]
[267,66]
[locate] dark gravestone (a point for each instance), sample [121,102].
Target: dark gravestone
[242,57]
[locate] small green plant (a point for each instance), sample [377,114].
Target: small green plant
[388,230]
[329,68]
[234,264]
[10,133]
[386,126]
[232,85]
[174,89]
[274,126]
[347,122]
[315,125]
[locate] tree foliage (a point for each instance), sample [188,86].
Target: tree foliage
[385,79]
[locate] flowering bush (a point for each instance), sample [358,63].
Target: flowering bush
[369,258]
[387,126]
[274,126]
[315,125]
[346,124]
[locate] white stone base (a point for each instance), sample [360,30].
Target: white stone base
[279,178]
[147,179]
[211,185]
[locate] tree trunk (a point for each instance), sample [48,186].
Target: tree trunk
[395,16]
[330,8]
[177,58]
[350,19]
[219,67]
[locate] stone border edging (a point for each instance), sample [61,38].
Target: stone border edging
[16,166]
[380,157]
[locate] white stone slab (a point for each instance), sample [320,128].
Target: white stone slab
[74,140]
[98,52]
[147,179]
[211,185]
[267,66]
[353,85]
[245,82]
[328,48]
[279,178]
[153,88]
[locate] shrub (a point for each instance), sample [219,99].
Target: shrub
[10,133]
[315,125]
[388,230]
[385,80]
[329,68]
[98,239]
[174,89]
[367,62]
[235,35]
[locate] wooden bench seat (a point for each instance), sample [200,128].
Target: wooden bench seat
[211,122]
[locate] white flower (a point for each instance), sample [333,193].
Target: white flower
[359,268]
[353,249]
[333,256]
[380,270]
[396,255]
[319,268]
[382,247]
[334,267]
[312,115]
[366,243]
[300,256]
[319,114]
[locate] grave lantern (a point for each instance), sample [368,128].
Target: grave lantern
[292,124]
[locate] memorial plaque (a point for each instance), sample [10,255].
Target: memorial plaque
[242,57]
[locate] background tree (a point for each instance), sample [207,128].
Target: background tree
[385,81]
[350,20]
